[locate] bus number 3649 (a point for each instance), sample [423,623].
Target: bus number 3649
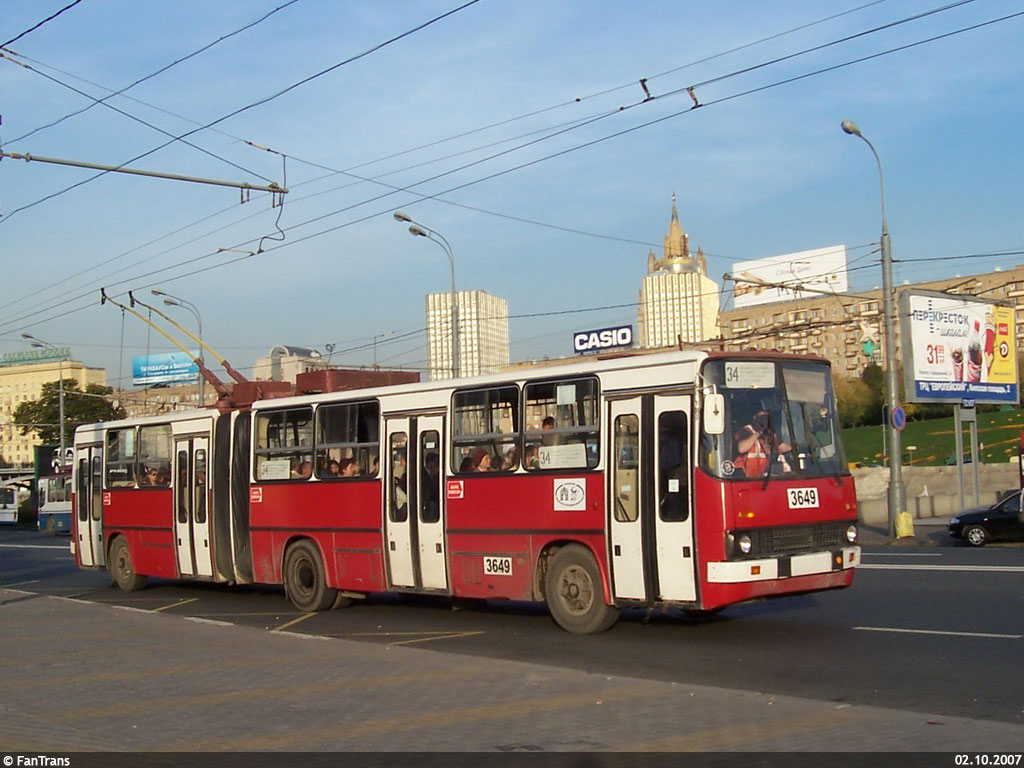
[497,566]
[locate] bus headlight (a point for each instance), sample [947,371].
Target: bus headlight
[743,543]
[851,534]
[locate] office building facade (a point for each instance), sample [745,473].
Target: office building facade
[483,334]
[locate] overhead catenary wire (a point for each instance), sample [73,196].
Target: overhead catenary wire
[600,139]
[151,75]
[36,26]
[437,196]
[253,105]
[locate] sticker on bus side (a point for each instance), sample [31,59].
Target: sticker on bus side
[255,495]
[803,498]
[455,489]
[106,498]
[497,566]
[570,495]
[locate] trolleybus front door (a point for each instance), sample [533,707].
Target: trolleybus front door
[651,523]
[89,502]
[191,506]
[414,503]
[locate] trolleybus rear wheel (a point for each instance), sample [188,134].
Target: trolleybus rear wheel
[304,579]
[574,593]
[119,564]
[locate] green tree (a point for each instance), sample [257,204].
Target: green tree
[873,379]
[42,416]
[855,400]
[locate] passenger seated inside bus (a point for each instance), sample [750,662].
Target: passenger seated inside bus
[148,478]
[530,459]
[348,467]
[478,461]
[757,446]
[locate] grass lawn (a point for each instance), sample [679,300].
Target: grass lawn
[998,440]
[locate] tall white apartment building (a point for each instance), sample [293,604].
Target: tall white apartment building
[678,301]
[483,334]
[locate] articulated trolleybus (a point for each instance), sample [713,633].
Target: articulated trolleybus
[686,479]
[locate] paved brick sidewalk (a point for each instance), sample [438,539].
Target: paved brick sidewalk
[88,676]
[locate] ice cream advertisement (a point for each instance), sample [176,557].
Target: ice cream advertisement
[959,349]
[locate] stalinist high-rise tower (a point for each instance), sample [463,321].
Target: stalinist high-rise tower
[678,301]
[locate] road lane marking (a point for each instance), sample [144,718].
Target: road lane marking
[940,632]
[175,605]
[22,583]
[201,620]
[293,622]
[438,636]
[975,568]
[901,554]
[63,547]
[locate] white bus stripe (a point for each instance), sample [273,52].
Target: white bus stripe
[940,632]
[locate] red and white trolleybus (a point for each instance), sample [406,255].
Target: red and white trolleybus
[593,486]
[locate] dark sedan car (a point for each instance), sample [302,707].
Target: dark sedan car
[1000,522]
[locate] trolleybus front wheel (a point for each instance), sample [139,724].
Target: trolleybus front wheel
[574,595]
[304,579]
[119,565]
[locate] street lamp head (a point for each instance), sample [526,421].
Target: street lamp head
[414,230]
[157,292]
[38,344]
[399,216]
[171,303]
[851,128]
[28,336]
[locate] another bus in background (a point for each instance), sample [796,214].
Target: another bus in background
[55,504]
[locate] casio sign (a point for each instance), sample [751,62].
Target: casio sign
[605,338]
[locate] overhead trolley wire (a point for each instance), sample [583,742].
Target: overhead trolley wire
[542,159]
[130,116]
[151,75]
[435,197]
[49,18]
[251,105]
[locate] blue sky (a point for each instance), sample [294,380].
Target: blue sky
[756,174]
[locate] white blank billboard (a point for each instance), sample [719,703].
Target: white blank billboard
[821,269]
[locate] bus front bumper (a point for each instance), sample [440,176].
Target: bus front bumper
[786,566]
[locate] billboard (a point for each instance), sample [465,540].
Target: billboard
[169,368]
[957,348]
[822,269]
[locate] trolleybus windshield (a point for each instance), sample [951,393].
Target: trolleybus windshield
[780,421]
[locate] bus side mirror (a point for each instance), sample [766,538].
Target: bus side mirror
[714,414]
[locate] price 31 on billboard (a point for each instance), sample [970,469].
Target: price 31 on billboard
[958,348]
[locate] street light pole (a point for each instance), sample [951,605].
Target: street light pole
[897,491]
[60,387]
[419,230]
[176,301]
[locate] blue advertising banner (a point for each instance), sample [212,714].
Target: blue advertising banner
[169,368]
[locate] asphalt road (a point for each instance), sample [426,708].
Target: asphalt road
[923,629]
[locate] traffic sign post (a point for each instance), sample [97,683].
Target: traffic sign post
[898,418]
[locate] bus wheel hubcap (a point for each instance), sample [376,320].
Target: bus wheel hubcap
[577,589]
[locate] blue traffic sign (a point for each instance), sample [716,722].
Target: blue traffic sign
[899,417]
